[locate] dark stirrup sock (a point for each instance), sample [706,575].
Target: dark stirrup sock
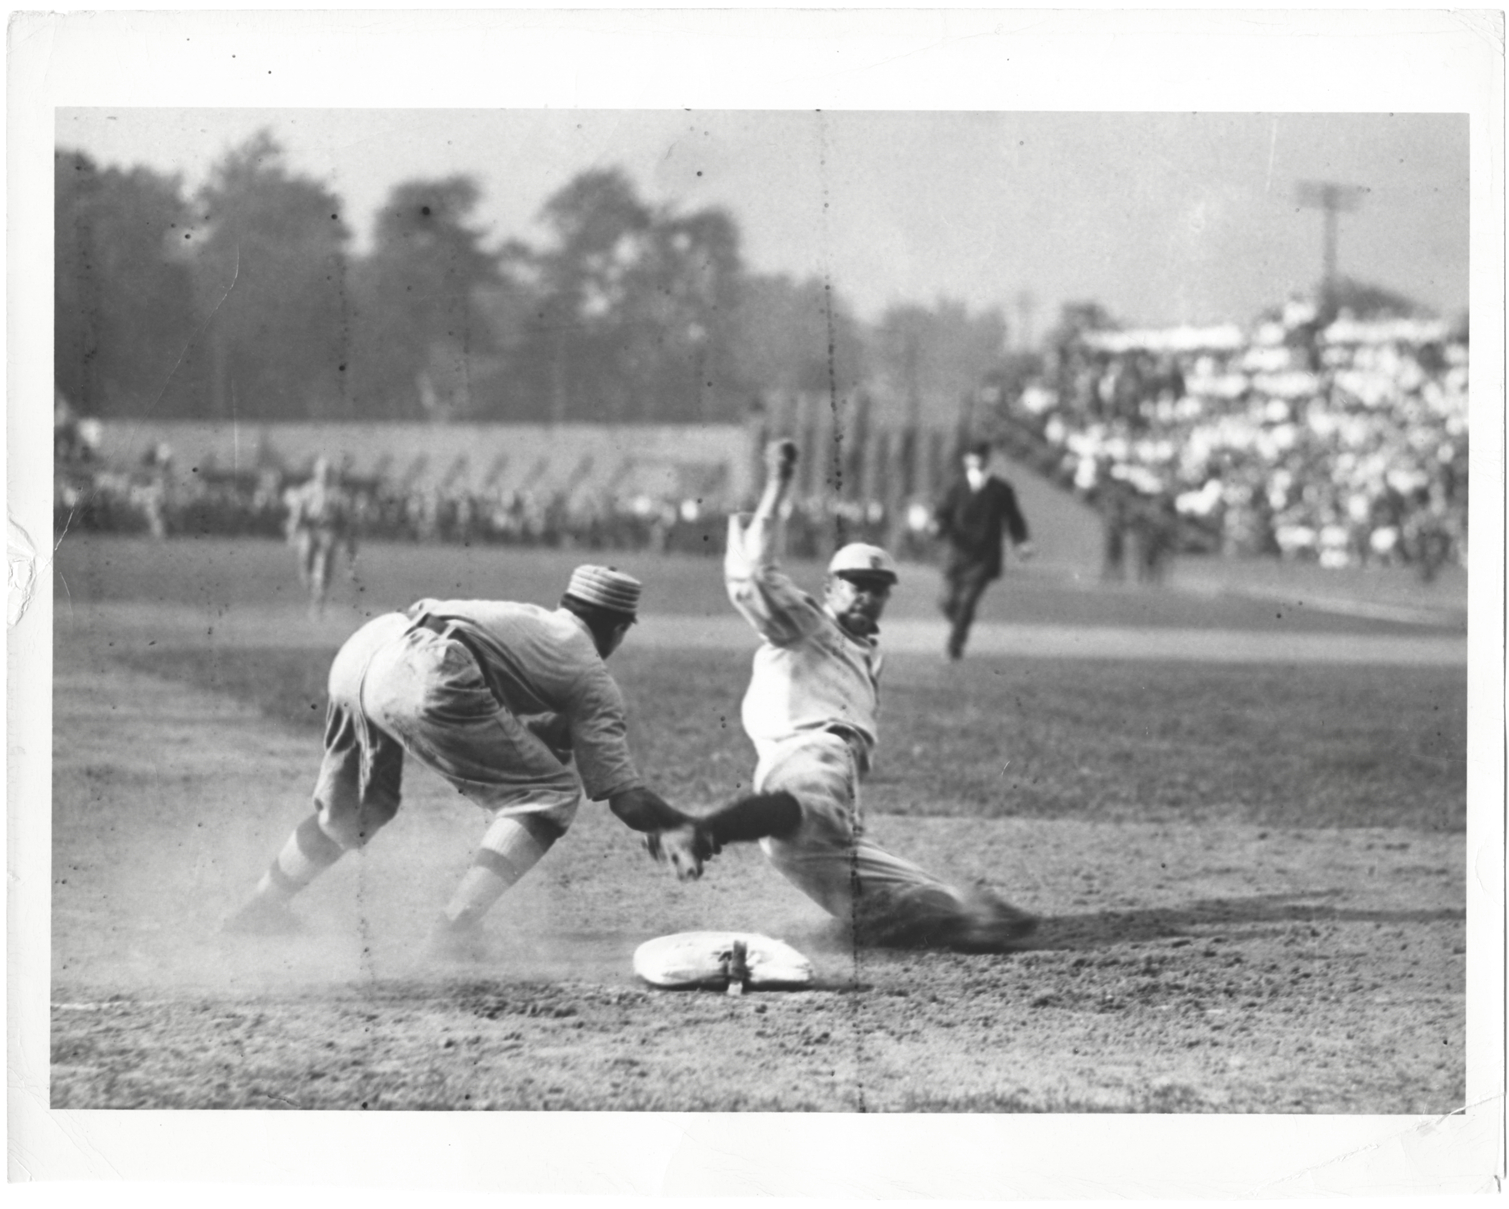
[753,818]
[315,844]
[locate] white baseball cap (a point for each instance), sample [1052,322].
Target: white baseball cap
[857,558]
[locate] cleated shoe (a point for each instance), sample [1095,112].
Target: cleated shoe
[262,917]
[990,925]
[922,917]
[458,943]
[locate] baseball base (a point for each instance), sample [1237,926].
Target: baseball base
[722,961]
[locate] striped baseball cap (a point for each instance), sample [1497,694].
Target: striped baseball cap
[605,587]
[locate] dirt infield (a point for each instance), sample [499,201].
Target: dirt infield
[1180,969]
[1189,961]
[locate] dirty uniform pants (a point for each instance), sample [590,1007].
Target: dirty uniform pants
[398,688]
[828,857]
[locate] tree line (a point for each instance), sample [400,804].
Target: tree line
[247,300]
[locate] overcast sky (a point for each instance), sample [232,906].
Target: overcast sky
[1164,218]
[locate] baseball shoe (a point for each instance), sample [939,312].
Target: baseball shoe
[262,917]
[918,918]
[989,925]
[451,942]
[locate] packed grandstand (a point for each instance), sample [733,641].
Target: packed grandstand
[1345,444]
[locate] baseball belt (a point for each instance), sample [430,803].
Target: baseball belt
[856,742]
[447,628]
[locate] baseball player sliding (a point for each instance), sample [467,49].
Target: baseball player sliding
[811,711]
[498,698]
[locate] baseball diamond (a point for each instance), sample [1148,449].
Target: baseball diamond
[565,622]
[1245,851]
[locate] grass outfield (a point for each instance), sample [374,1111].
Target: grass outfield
[1072,739]
[1284,745]
[215,573]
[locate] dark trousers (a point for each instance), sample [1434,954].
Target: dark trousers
[963,585]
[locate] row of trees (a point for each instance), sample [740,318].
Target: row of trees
[246,300]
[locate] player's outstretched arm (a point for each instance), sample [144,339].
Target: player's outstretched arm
[642,809]
[671,837]
[744,820]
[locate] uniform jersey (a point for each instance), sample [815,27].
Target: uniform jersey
[318,505]
[543,667]
[810,674]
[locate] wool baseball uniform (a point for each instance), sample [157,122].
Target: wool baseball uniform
[498,698]
[511,703]
[811,711]
[319,523]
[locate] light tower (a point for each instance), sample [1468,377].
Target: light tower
[1331,199]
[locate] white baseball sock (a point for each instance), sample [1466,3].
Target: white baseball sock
[306,854]
[512,846]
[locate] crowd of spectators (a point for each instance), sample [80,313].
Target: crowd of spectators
[1345,444]
[152,498]
[158,496]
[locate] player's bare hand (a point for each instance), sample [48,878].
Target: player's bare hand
[780,459]
[683,848]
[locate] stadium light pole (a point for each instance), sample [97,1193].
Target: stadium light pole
[1331,199]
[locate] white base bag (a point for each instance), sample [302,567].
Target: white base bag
[721,961]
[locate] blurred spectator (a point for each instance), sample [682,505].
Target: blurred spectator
[321,524]
[71,436]
[1155,523]
[1116,522]
[150,491]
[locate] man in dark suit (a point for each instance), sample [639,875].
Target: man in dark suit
[977,511]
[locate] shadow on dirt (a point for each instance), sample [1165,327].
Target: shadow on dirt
[1198,920]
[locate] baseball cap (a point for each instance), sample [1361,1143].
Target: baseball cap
[862,560]
[605,587]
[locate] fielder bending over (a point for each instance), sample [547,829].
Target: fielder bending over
[498,698]
[811,712]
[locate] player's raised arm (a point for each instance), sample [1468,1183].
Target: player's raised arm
[780,468]
[768,600]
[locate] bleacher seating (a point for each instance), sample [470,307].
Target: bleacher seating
[1346,445]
